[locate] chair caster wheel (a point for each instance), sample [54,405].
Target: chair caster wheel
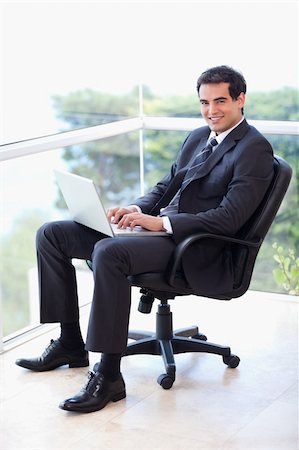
[165,381]
[200,337]
[231,361]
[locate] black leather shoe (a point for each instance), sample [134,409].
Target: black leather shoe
[55,356]
[95,394]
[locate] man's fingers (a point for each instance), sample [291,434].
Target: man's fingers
[127,220]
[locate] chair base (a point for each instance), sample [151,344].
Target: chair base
[167,343]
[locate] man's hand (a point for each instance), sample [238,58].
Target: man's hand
[115,214]
[146,221]
[129,217]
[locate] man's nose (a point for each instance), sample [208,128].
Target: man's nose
[212,108]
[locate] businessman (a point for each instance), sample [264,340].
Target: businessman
[218,179]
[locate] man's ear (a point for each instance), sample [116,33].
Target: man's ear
[241,99]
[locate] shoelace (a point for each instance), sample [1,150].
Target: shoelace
[49,348]
[93,383]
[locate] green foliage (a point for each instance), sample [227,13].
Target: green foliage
[287,272]
[17,256]
[172,106]
[160,151]
[282,104]
[88,107]
[113,162]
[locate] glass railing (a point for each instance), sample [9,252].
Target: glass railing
[133,154]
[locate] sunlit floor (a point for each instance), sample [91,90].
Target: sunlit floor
[210,406]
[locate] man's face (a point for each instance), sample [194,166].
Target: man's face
[218,108]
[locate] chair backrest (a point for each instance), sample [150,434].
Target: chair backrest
[258,226]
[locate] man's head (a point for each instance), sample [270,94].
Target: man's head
[221,92]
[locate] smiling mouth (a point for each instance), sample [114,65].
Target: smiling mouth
[215,119]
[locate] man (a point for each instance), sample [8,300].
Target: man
[210,188]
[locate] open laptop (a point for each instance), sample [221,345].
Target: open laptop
[86,207]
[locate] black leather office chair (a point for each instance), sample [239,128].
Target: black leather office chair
[165,286]
[169,284]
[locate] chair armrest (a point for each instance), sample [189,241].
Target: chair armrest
[185,244]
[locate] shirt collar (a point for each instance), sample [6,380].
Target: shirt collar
[220,137]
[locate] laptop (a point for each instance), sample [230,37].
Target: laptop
[85,206]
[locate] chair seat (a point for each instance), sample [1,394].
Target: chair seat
[156,281]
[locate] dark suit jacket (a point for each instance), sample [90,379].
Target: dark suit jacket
[225,192]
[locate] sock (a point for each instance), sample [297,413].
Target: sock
[110,366]
[70,336]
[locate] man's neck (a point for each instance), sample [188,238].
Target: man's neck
[222,135]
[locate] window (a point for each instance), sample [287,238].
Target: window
[70,65]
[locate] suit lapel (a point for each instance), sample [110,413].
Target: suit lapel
[170,192]
[229,142]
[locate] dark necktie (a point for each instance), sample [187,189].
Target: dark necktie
[199,160]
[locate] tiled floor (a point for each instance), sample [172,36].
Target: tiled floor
[253,407]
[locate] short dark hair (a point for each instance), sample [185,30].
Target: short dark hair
[224,74]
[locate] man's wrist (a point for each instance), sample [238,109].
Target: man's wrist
[166,222]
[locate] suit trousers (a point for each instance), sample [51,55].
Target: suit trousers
[113,259]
